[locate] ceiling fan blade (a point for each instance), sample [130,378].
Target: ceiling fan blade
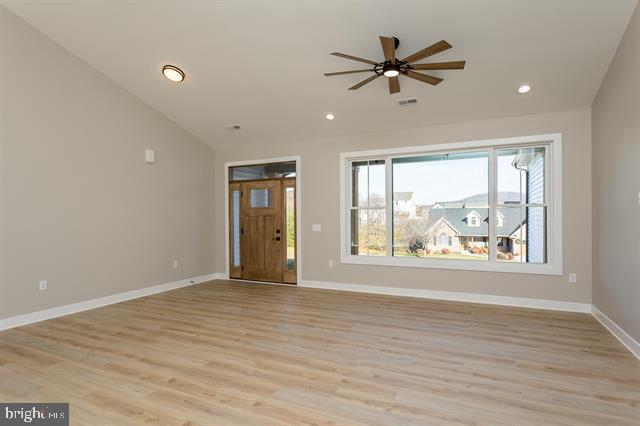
[440,46]
[389,48]
[394,85]
[353,58]
[424,77]
[363,82]
[328,74]
[454,65]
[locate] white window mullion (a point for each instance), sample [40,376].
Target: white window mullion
[388,204]
[493,202]
[368,204]
[348,232]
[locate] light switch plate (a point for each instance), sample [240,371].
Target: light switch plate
[316,227]
[149,156]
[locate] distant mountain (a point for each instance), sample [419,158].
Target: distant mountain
[502,196]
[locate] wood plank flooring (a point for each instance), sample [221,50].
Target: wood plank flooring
[229,353]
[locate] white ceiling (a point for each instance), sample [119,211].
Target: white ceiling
[260,64]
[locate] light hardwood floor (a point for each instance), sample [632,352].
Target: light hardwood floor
[226,353]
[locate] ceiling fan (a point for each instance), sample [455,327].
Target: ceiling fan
[392,67]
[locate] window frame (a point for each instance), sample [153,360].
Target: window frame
[553,204]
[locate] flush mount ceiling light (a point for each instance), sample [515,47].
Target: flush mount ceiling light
[173,73]
[525,88]
[329,116]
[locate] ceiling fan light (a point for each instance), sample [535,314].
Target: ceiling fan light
[173,73]
[391,73]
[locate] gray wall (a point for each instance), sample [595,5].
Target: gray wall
[616,186]
[320,204]
[79,206]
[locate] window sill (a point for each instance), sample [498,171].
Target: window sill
[453,264]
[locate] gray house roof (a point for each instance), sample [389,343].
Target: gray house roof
[458,219]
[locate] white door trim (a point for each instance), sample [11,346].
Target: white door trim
[298,160]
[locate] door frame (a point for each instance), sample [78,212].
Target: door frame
[298,161]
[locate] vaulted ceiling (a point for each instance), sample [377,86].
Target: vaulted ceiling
[260,64]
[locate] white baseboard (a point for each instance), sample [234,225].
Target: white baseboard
[221,276]
[628,341]
[521,302]
[60,311]
[453,296]
[617,331]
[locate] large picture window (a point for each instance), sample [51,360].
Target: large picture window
[488,205]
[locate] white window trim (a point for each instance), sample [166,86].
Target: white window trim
[554,214]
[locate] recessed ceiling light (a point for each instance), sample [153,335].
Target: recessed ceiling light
[329,116]
[525,88]
[173,73]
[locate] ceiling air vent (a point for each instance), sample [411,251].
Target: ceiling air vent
[407,101]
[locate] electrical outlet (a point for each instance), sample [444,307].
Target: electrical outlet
[42,285]
[573,278]
[331,264]
[175,263]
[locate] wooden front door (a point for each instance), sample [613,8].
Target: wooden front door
[262,231]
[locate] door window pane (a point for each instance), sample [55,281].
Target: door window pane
[235,197]
[290,226]
[260,198]
[262,171]
[441,206]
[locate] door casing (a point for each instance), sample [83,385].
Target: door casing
[229,272]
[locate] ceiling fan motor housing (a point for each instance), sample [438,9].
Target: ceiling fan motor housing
[399,66]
